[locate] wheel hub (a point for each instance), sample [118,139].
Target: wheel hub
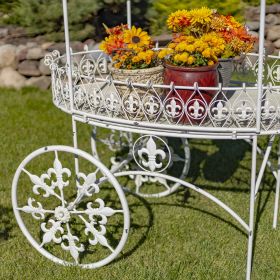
[62,214]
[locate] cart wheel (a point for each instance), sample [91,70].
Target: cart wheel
[62,212]
[146,186]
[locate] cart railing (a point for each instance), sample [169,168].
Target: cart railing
[98,96]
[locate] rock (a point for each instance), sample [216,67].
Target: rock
[272,19]
[29,68]
[273,33]
[42,82]
[273,9]
[21,53]
[31,45]
[96,46]
[11,78]
[277,44]
[254,33]
[269,47]
[46,45]
[7,56]
[76,46]
[35,53]
[253,25]
[44,69]
[251,13]
[58,47]
[3,32]
[90,43]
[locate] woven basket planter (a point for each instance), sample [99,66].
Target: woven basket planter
[225,69]
[141,76]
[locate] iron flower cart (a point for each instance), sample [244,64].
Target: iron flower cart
[82,87]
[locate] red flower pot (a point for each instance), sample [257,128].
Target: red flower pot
[194,101]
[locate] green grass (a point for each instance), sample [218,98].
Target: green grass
[183,236]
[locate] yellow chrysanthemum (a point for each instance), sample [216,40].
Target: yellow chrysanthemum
[191,60]
[136,38]
[184,57]
[178,20]
[181,47]
[190,48]
[164,52]
[207,53]
[201,16]
[135,59]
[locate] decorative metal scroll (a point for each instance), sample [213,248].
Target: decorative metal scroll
[96,93]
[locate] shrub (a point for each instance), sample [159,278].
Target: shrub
[86,17]
[160,9]
[46,17]
[257,2]
[7,5]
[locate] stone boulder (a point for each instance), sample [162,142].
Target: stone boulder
[273,33]
[76,47]
[272,19]
[44,69]
[277,43]
[4,32]
[29,68]
[273,9]
[21,53]
[253,25]
[42,82]
[7,56]
[11,78]
[35,53]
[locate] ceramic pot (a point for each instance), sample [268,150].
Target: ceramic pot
[195,102]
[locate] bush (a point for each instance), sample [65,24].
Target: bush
[46,17]
[257,2]
[160,9]
[7,5]
[113,13]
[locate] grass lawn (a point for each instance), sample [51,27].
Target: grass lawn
[183,236]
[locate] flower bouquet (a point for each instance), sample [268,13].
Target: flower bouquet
[234,36]
[132,55]
[201,38]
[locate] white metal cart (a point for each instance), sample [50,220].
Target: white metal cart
[77,218]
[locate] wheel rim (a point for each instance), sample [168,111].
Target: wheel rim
[56,227]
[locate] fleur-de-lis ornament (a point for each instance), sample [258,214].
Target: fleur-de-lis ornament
[151,152]
[196,110]
[173,109]
[131,104]
[220,112]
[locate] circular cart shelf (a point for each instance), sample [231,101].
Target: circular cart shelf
[232,113]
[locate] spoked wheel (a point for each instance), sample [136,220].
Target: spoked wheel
[122,143]
[70,217]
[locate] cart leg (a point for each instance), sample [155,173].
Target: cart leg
[276,204]
[75,144]
[93,143]
[252,208]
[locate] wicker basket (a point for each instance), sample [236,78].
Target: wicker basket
[142,76]
[225,69]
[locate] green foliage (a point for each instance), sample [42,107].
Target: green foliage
[86,17]
[7,5]
[160,9]
[257,2]
[46,17]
